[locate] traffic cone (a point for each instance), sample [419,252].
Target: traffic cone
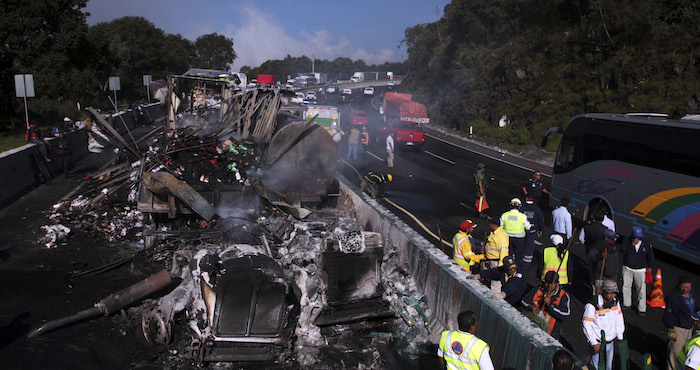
[656,298]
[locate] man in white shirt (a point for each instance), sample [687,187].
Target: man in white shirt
[604,314]
[561,220]
[390,149]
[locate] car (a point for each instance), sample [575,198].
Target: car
[331,89]
[298,99]
[358,117]
[347,91]
[392,83]
[369,90]
[311,95]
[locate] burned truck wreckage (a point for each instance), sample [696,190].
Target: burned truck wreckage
[237,207]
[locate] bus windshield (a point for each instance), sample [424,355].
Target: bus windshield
[640,171]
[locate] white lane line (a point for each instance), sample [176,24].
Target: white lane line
[439,157]
[465,206]
[372,154]
[501,159]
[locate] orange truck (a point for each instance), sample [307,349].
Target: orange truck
[399,106]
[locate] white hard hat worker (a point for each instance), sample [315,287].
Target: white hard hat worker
[515,202]
[66,119]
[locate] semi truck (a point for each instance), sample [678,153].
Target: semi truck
[266,80]
[402,107]
[371,76]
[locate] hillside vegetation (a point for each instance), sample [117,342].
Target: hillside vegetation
[542,62]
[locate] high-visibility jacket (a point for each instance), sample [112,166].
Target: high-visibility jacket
[463,254]
[515,223]
[551,261]
[683,354]
[461,350]
[497,245]
[375,178]
[558,309]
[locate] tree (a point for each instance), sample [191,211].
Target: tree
[214,51]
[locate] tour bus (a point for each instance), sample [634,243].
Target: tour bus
[328,116]
[642,170]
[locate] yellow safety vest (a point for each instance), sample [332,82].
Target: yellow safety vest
[457,242]
[513,222]
[552,263]
[461,350]
[683,354]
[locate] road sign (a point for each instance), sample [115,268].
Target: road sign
[24,88]
[114,84]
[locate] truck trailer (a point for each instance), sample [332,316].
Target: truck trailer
[402,107]
[370,76]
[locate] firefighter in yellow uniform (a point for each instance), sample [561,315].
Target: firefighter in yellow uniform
[464,246]
[461,349]
[689,356]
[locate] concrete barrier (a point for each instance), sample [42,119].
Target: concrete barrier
[515,341]
[19,168]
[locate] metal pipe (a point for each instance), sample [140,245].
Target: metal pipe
[111,304]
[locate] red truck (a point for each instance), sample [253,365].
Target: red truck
[266,80]
[400,106]
[407,134]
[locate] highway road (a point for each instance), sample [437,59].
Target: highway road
[436,186]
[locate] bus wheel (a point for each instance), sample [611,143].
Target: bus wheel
[595,206]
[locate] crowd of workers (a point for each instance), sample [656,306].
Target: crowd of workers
[506,255]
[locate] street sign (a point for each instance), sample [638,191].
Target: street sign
[24,86]
[114,84]
[147,80]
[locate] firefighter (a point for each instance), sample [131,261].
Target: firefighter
[515,223]
[461,349]
[512,287]
[464,246]
[549,302]
[375,182]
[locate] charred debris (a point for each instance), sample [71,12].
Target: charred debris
[232,210]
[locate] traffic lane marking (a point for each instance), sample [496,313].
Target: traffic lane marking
[372,154]
[500,159]
[439,157]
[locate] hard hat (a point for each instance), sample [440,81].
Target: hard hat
[515,202]
[509,262]
[389,177]
[66,119]
[480,166]
[466,224]
[556,239]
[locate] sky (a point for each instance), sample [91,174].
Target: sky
[272,29]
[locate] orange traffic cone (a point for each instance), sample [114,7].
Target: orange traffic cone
[656,298]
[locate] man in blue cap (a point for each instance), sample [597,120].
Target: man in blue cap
[638,259]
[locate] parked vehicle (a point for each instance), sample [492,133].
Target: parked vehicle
[399,106]
[407,134]
[370,76]
[331,89]
[311,95]
[298,99]
[369,90]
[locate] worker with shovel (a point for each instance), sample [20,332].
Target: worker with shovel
[605,260]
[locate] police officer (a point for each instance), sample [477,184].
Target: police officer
[534,215]
[515,223]
[461,349]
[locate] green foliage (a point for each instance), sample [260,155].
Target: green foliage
[541,63]
[214,51]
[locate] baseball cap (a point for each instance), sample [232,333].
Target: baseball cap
[609,286]
[466,224]
[637,232]
[609,234]
[551,277]
[556,239]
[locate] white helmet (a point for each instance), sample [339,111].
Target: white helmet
[515,202]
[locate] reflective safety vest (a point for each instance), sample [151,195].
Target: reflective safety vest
[515,223]
[683,354]
[457,242]
[462,350]
[552,262]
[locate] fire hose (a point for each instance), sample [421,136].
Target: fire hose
[111,304]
